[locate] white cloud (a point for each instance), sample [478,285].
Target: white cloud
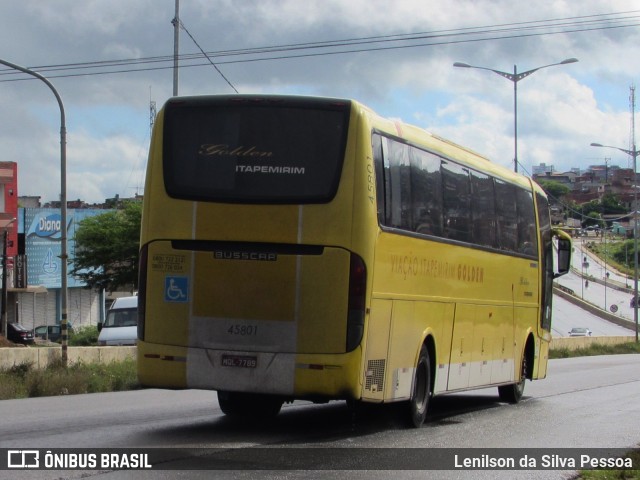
[561,109]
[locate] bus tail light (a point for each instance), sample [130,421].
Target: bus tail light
[357,300]
[142,289]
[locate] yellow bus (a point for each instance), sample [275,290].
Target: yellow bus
[306,248]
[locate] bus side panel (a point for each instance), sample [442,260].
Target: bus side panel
[542,359]
[377,350]
[411,322]
[404,341]
[503,341]
[486,333]
[461,347]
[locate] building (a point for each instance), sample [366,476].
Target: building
[542,169]
[9,206]
[34,289]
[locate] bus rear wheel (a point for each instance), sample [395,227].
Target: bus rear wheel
[421,395]
[249,405]
[513,392]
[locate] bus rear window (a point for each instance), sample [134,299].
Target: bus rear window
[242,150]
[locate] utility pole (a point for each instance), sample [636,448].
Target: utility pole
[176,47]
[63,206]
[152,115]
[634,154]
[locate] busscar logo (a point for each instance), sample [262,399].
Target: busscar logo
[241,255]
[23,459]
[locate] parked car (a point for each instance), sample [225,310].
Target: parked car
[579,332]
[121,324]
[51,332]
[19,334]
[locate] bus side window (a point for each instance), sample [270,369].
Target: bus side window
[376,145]
[507,216]
[399,206]
[483,210]
[527,234]
[456,202]
[426,190]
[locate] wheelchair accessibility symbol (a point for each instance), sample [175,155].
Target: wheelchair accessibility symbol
[176,289]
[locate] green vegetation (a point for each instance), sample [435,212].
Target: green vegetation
[107,246]
[554,189]
[613,474]
[23,381]
[84,336]
[596,349]
[616,253]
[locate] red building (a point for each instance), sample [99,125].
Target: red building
[9,205]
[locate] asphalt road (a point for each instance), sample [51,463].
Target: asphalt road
[566,315]
[584,403]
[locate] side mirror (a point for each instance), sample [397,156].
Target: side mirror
[564,256]
[99,327]
[564,253]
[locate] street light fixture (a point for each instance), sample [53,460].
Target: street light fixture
[63,202]
[515,77]
[633,154]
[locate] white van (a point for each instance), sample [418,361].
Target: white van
[121,325]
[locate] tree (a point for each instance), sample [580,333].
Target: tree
[106,254]
[554,189]
[611,204]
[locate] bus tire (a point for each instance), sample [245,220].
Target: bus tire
[513,392]
[249,405]
[422,392]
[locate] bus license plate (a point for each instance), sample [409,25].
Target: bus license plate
[242,361]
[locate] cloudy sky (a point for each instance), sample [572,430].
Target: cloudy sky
[109,59]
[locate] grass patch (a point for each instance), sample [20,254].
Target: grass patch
[613,474]
[617,253]
[84,336]
[595,349]
[23,381]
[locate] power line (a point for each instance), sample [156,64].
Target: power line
[210,61]
[336,47]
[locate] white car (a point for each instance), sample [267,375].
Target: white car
[580,332]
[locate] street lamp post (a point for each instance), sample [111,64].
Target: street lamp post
[63,204]
[515,77]
[633,154]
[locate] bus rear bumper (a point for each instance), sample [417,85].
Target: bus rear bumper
[295,376]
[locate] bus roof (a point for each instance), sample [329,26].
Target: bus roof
[404,131]
[447,148]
